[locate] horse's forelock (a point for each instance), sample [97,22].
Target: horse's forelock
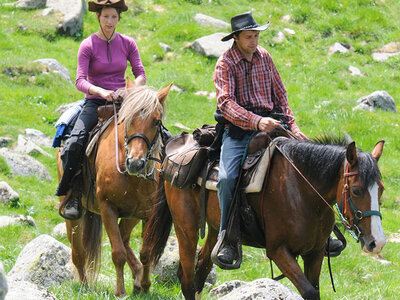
[140,102]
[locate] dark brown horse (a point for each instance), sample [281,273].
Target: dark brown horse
[122,191]
[294,218]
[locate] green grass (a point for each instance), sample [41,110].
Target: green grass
[321,92]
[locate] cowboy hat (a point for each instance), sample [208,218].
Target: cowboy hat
[244,21]
[95,6]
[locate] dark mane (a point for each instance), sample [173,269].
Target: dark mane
[323,157]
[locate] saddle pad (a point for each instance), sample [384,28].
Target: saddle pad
[258,176]
[97,135]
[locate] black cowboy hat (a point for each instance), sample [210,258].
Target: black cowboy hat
[95,6]
[244,21]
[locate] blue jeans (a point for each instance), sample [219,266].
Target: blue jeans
[232,151]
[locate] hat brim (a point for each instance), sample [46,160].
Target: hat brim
[94,6]
[258,28]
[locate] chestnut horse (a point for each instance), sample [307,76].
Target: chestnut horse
[293,215]
[122,191]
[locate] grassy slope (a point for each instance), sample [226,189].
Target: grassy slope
[321,92]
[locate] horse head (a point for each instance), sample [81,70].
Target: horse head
[141,115]
[360,198]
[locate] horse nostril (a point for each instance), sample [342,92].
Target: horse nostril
[372,246]
[135,166]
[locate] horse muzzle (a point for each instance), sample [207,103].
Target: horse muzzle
[134,167]
[372,245]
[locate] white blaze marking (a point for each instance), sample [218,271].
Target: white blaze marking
[376,224]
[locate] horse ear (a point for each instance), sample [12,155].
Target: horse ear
[378,149]
[129,83]
[351,154]
[162,95]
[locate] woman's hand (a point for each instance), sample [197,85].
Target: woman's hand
[110,96]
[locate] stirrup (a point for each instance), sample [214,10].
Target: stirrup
[71,193]
[218,262]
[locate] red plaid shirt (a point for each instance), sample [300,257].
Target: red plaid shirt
[246,89]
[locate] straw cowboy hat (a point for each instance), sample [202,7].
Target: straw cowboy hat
[96,5]
[244,21]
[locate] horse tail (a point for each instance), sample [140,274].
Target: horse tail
[158,228]
[91,237]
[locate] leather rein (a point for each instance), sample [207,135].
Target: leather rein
[128,139]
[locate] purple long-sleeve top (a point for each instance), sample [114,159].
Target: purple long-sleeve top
[95,69]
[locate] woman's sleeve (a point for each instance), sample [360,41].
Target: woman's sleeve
[136,62]
[82,71]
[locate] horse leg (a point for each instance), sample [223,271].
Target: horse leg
[186,229]
[287,263]
[119,255]
[204,263]
[74,234]
[312,267]
[126,226]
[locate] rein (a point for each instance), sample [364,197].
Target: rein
[150,146]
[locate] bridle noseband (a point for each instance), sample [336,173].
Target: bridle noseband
[347,208]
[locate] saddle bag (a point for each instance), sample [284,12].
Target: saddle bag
[183,161]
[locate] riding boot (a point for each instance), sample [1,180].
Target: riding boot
[333,246]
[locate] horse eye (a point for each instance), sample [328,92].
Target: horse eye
[356,191]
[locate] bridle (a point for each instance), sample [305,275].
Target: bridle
[150,146]
[347,208]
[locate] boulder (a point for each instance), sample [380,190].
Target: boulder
[279,38]
[165,47]
[14,220]
[7,194]
[31,4]
[3,282]
[354,71]
[72,11]
[44,261]
[381,57]
[4,141]
[38,137]
[167,267]
[205,20]
[378,99]
[24,165]
[211,45]
[60,230]
[25,146]
[263,288]
[338,47]
[18,290]
[54,66]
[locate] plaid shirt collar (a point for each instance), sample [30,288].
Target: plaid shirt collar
[237,56]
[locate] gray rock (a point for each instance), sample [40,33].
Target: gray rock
[7,194]
[38,137]
[165,47]
[19,290]
[355,71]
[288,32]
[211,45]
[44,261]
[279,38]
[60,230]
[24,165]
[31,3]
[47,11]
[14,220]
[25,146]
[226,288]
[63,108]
[54,66]
[3,282]
[72,11]
[378,99]
[338,47]
[4,141]
[381,57]
[168,265]
[263,288]
[205,20]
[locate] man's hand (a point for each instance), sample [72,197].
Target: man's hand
[268,124]
[301,136]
